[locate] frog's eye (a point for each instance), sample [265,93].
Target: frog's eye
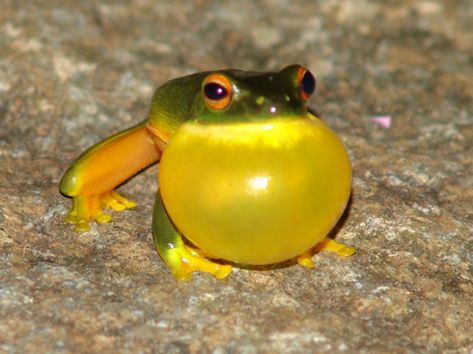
[217,91]
[306,83]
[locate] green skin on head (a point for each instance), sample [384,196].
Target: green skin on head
[256,97]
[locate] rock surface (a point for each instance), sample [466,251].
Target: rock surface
[73,72]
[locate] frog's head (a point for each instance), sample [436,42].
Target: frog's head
[233,96]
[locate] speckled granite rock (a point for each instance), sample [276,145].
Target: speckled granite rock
[71,73]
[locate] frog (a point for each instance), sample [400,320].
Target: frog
[248,174]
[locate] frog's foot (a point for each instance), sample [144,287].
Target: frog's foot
[89,207]
[117,202]
[329,244]
[184,260]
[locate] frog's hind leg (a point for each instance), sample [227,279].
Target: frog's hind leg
[182,259]
[92,178]
[327,244]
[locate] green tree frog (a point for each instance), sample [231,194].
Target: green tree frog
[247,174]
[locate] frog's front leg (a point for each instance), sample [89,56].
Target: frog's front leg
[92,178]
[182,259]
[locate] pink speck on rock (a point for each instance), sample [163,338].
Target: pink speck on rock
[382,121]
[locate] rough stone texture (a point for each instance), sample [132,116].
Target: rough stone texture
[73,72]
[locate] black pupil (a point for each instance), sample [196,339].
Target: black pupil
[214,91]
[308,83]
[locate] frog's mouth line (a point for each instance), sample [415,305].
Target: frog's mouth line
[275,132]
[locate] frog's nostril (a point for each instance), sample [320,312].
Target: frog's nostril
[260,100]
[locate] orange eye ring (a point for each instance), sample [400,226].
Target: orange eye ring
[217,91]
[306,82]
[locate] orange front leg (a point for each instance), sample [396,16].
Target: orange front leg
[92,178]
